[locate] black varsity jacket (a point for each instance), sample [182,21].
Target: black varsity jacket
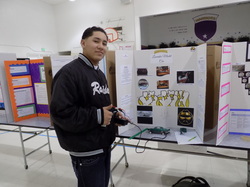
[78,90]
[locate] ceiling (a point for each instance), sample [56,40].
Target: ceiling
[53,2]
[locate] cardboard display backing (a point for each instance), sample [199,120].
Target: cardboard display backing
[50,63]
[110,74]
[213,86]
[48,76]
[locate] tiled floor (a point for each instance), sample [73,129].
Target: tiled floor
[149,169]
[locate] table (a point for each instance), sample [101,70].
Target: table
[41,124]
[231,141]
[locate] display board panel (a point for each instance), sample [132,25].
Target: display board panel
[163,87]
[22,96]
[234,106]
[37,71]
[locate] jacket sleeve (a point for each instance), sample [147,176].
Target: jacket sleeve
[65,108]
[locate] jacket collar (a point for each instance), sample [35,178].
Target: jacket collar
[86,60]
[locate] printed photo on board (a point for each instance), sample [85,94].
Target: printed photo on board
[185,117]
[247,86]
[163,84]
[142,71]
[238,68]
[145,114]
[143,84]
[244,80]
[241,74]
[185,77]
[162,70]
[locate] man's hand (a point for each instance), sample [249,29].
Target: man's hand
[107,115]
[120,115]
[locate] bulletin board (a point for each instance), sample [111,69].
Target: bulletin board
[163,87]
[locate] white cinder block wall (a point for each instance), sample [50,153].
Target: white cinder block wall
[27,28]
[32,28]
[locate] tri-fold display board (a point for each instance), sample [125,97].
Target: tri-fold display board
[163,87]
[27,88]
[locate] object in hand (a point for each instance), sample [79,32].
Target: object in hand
[116,119]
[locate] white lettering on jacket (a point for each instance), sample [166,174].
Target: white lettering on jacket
[99,89]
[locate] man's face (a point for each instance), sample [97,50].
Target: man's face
[95,47]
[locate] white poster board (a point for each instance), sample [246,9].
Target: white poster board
[57,62]
[125,88]
[167,87]
[225,89]
[6,115]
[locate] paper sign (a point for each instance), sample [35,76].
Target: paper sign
[227,49]
[23,96]
[222,130]
[223,112]
[225,89]
[41,93]
[21,81]
[126,74]
[159,58]
[226,68]
[26,110]
[19,69]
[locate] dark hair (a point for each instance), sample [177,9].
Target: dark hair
[89,32]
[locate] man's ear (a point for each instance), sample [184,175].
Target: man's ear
[82,43]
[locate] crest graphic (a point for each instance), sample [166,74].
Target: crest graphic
[205,26]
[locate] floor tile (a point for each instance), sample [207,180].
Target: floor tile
[150,168]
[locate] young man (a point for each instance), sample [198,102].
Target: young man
[80,111]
